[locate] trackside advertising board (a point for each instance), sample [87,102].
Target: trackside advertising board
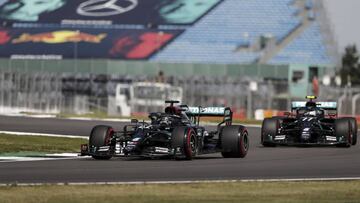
[102,12]
[59,43]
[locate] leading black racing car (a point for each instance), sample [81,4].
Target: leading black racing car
[310,123]
[173,133]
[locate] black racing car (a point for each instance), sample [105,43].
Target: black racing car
[173,133]
[310,123]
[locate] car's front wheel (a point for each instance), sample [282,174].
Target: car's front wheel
[184,138]
[269,130]
[100,139]
[354,130]
[343,131]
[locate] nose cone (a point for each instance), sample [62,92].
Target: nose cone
[305,135]
[306,126]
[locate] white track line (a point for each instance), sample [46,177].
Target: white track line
[65,155]
[184,182]
[98,119]
[22,159]
[42,134]
[30,116]
[46,157]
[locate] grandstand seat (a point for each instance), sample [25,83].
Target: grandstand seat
[311,15]
[309,4]
[233,23]
[308,48]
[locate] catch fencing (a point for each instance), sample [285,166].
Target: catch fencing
[85,93]
[90,86]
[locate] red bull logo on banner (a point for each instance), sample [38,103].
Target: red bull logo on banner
[4,37]
[128,44]
[62,36]
[139,46]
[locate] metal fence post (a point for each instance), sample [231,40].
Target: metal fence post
[249,104]
[353,106]
[340,102]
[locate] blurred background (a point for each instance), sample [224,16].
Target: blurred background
[125,57]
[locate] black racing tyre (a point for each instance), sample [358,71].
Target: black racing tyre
[343,129]
[270,127]
[234,141]
[100,136]
[354,130]
[101,157]
[185,139]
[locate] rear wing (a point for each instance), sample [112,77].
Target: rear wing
[210,112]
[323,105]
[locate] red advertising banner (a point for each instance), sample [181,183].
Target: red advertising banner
[83,43]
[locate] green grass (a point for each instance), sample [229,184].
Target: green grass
[37,144]
[279,192]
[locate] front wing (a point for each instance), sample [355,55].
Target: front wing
[294,140]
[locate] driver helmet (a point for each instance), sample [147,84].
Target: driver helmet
[173,110]
[311,113]
[310,104]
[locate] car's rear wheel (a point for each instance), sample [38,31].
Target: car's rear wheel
[269,129]
[354,130]
[343,130]
[101,136]
[184,138]
[234,141]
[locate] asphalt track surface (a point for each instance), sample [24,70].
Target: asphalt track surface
[261,163]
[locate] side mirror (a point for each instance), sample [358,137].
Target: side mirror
[134,121]
[228,116]
[184,107]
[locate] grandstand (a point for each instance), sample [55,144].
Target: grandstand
[241,23]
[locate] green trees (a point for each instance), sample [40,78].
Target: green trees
[350,71]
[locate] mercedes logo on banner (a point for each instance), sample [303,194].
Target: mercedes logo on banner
[103,8]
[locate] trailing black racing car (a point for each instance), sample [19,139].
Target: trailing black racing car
[310,123]
[175,133]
